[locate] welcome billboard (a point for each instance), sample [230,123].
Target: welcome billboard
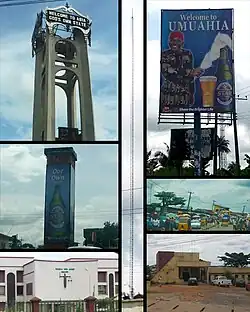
[197,73]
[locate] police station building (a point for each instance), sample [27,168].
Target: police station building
[22,279]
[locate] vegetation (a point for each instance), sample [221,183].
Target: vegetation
[107,237]
[161,164]
[238,260]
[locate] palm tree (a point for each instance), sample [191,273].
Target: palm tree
[223,147]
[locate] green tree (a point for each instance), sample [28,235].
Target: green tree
[238,260]
[153,207]
[15,243]
[110,235]
[222,146]
[169,198]
[150,271]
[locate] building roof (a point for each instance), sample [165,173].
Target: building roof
[4,236]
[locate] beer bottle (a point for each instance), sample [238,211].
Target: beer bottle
[57,210]
[224,89]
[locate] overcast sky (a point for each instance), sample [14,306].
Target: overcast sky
[157,134]
[61,255]
[208,245]
[22,189]
[228,193]
[17,69]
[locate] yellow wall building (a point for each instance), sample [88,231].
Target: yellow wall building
[177,267]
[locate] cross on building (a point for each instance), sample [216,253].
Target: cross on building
[65,279]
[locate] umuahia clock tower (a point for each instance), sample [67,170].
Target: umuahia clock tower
[54,53]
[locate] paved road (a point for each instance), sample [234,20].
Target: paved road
[217,228]
[209,229]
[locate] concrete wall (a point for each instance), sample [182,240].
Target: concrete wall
[170,272]
[84,280]
[135,305]
[243,273]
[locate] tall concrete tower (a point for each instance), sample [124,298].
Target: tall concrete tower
[59,213]
[54,53]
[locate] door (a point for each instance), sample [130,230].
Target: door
[111,285]
[186,276]
[11,290]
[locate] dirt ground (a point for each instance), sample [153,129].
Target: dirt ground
[201,298]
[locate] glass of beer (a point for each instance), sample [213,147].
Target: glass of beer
[208,84]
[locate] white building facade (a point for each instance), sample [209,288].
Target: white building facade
[21,279]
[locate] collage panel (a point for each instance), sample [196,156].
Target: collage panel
[59,281]
[66,88]
[198,205]
[197,92]
[203,272]
[59,197]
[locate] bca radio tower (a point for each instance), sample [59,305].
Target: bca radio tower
[53,54]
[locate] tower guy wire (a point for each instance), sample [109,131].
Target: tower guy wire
[132,132]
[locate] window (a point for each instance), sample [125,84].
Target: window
[248,276]
[19,291]
[19,275]
[116,277]
[243,275]
[102,290]
[236,275]
[29,289]
[2,290]
[116,289]
[2,276]
[102,277]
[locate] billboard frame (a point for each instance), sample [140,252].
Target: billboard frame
[162,116]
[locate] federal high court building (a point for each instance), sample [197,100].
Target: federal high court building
[75,278]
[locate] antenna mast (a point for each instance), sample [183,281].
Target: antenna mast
[132,130]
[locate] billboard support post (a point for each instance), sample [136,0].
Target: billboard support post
[196,71]
[237,156]
[197,144]
[215,143]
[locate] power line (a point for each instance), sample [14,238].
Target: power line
[26,2]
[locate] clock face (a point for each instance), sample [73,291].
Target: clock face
[56,217]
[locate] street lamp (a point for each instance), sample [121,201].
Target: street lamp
[89,281]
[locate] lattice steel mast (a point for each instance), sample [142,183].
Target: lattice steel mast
[132,130]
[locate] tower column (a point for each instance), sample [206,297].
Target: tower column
[85,94]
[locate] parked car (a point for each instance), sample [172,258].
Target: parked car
[192,281]
[221,281]
[248,286]
[195,224]
[240,283]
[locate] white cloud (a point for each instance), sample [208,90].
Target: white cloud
[17,107]
[228,193]
[22,189]
[209,246]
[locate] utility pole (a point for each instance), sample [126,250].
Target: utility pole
[150,191]
[189,199]
[237,153]
[213,204]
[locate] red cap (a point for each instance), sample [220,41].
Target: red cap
[176,35]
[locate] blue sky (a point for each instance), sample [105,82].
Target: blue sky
[17,68]
[228,193]
[22,189]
